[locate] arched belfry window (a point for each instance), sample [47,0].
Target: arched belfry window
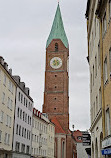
[56,47]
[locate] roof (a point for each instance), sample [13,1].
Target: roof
[77,134]
[57,30]
[87,10]
[58,127]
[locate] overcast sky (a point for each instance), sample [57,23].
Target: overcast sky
[24,29]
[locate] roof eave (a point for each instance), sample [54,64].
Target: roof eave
[87,10]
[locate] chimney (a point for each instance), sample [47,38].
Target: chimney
[27,90]
[17,79]
[6,66]
[22,85]
[1,60]
[10,72]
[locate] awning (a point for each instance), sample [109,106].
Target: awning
[106,151]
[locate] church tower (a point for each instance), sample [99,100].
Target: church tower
[56,93]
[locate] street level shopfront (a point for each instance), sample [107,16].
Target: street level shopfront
[106,147]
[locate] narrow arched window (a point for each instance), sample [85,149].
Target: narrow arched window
[56,47]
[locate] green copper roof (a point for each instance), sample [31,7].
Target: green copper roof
[57,31]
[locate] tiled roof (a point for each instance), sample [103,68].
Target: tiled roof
[77,134]
[58,127]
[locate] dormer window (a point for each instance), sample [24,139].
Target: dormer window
[56,47]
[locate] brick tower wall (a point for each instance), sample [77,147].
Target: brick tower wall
[56,98]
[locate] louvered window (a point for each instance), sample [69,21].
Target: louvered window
[105,71]
[56,47]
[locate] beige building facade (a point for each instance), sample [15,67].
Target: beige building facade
[104,15]
[7,108]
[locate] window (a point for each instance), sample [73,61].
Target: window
[93,75]
[105,71]
[1,116]
[19,96]
[0,136]
[17,146]
[37,139]
[4,81]
[23,148]
[94,111]
[24,101]
[96,103]
[56,47]
[95,26]
[22,131]
[11,104]
[7,120]
[8,104]
[99,57]
[7,138]
[23,116]
[18,112]
[12,88]
[100,98]
[28,119]
[108,122]
[17,129]
[29,135]
[27,149]
[29,106]
[3,98]
[25,133]
[104,23]
[9,86]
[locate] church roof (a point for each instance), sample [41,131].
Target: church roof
[58,127]
[57,30]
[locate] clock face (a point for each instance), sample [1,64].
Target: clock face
[56,63]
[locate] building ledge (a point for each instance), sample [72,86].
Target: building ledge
[98,116]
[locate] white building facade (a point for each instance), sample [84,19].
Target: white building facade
[23,122]
[51,139]
[94,59]
[41,146]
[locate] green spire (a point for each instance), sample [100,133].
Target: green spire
[57,31]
